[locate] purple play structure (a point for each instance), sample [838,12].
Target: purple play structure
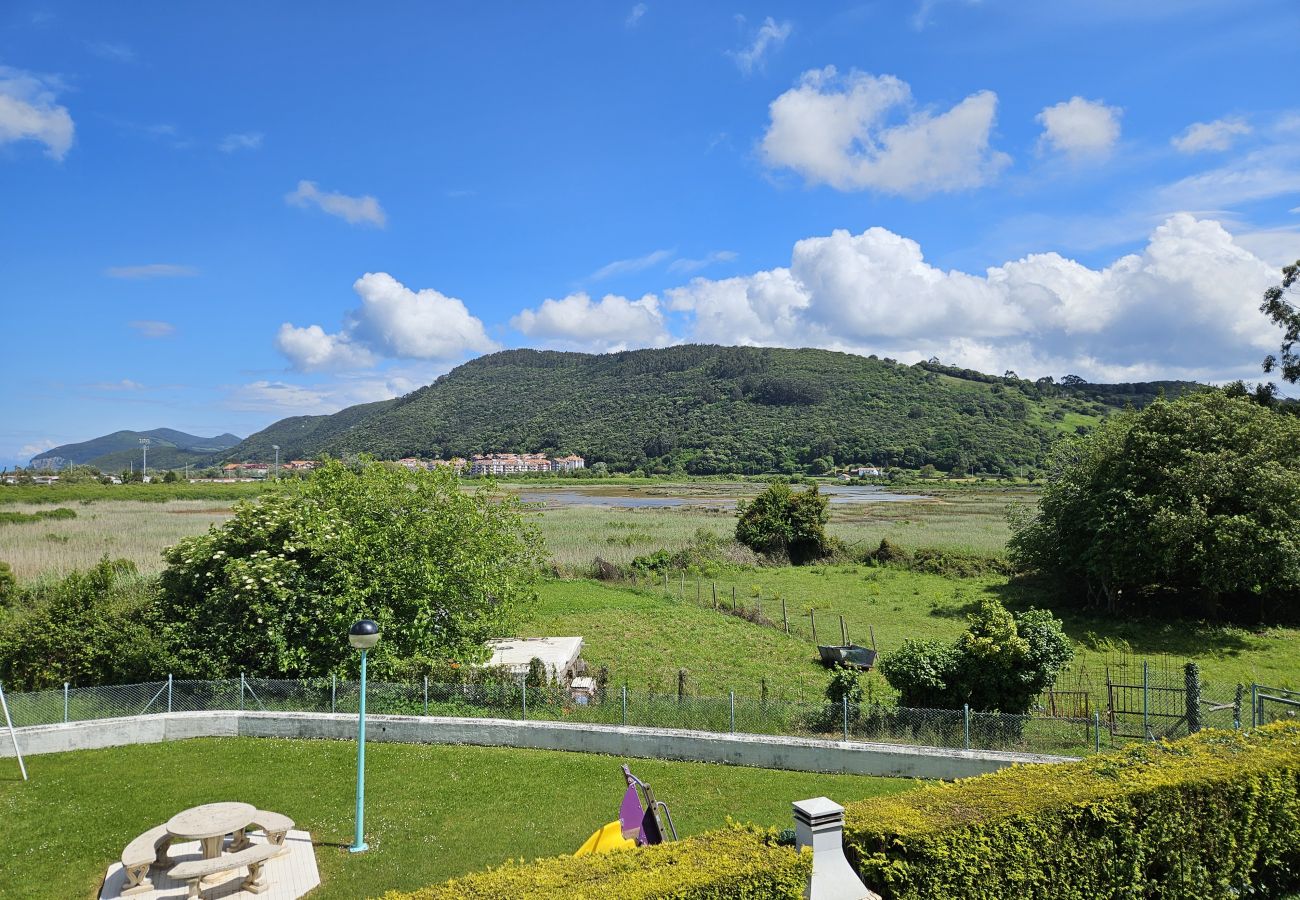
[639,813]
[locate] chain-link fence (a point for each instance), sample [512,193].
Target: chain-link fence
[1270,704]
[874,722]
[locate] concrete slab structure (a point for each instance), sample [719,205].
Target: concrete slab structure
[558,654]
[764,751]
[288,877]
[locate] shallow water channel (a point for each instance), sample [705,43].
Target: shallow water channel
[632,498]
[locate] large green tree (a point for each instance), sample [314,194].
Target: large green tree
[1283,313]
[1190,507]
[273,590]
[785,524]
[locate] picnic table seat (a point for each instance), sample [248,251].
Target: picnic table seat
[254,856]
[149,849]
[274,824]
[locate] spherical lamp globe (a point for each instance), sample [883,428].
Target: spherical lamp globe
[364,634]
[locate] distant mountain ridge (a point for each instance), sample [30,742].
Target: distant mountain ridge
[709,409]
[168,449]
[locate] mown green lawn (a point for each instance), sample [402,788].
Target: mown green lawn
[432,812]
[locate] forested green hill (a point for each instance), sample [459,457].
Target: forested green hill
[709,410]
[168,449]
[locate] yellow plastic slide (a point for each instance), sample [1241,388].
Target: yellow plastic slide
[609,837]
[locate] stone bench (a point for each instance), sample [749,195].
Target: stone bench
[194,871]
[149,849]
[275,825]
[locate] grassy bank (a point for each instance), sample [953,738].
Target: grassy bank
[432,812]
[645,638]
[897,605]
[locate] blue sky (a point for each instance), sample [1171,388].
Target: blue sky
[215,216]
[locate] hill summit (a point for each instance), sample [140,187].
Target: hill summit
[707,409]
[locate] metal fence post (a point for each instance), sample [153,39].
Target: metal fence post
[65,701]
[785,619]
[169,691]
[965,721]
[1096,730]
[426,695]
[625,704]
[844,702]
[1146,696]
[523,697]
[334,690]
[241,691]
[732,704]
[1254,705]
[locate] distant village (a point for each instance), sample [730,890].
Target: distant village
[487,464]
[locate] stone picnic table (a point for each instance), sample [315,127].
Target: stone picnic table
[210,823]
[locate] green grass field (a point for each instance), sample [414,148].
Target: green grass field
[645,634]
[645,638]
[432,812]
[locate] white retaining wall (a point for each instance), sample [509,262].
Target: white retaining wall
[765,751]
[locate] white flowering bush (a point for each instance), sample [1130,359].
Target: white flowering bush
[272,591]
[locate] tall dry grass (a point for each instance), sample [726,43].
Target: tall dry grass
[133,530]
[967,520]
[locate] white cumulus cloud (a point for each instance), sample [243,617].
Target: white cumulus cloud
[392,322]
[1079,128]
[862,132]
[1184,306]
[1216,135]
[28,112]
[634,16]
[354,210]
[312,349]
[768,38]
[612,323]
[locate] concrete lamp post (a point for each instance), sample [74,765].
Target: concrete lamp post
[363,635]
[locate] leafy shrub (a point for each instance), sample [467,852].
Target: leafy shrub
[92,627]
[273,590]
[1002,662]
[729,864]
[8,583]
[782,524]
[705,554]
[536,676]
[1214,815]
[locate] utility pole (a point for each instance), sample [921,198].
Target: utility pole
[276,448]
[144,446]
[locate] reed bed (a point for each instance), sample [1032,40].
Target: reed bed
[127,529]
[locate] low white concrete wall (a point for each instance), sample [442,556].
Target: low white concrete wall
[764,751]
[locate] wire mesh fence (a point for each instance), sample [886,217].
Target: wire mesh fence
[871,722]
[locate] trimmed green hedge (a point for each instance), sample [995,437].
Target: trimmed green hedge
[732,864]
[1213,815]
